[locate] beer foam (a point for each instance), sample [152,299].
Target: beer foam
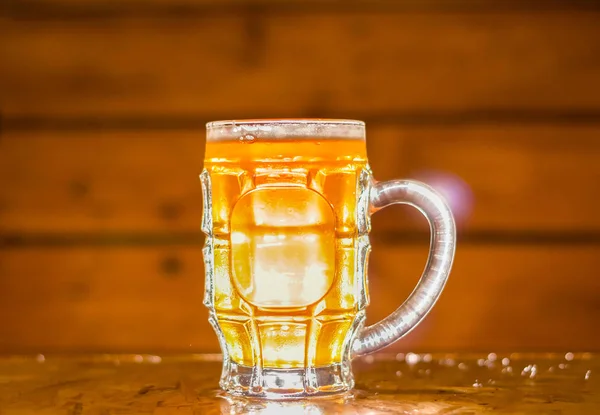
[250,130]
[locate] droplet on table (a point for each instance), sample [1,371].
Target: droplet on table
[412,358]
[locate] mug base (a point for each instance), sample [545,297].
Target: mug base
[280,384]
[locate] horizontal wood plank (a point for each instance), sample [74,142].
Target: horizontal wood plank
[501,298]
[103,299]
[108,182]
[498,179]
[252,63]
[150,299]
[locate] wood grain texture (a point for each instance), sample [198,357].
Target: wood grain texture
[253,63]
[149,299]
[103,299]
[497,178]
[186,385]
[494,103]
[500,177]
[74,182]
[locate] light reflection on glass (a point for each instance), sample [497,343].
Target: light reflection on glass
[323,406]
[237,406]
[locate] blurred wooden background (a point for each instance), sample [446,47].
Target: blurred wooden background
[496,103]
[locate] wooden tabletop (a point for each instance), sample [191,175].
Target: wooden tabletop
[514,383]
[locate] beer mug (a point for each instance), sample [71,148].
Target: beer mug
[287,207]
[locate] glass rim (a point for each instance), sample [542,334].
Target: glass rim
[286,128]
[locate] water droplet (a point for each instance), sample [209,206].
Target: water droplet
[492,357]
[569,356]
[462,366]
[428,372]
[398,373]
[427,358]
[477,384]
[505,361]
[247,138]
[400,357]
[533,372]
[40,358]
[369,359]
[480,362]
[551,369]
[138,358]
[154,359]
[562,366]
[491,381]
[412,358]
[588,374]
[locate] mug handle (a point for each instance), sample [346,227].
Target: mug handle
[437,269]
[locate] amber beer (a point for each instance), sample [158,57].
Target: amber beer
[285,232]
[286,217]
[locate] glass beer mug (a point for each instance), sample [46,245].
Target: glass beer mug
[287,207]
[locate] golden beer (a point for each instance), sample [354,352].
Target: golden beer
[285,232]
[286,215]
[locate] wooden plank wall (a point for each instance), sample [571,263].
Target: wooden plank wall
[497,104]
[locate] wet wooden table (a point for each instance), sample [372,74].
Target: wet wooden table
[565,383]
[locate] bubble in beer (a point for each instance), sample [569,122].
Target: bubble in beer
[247,138]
